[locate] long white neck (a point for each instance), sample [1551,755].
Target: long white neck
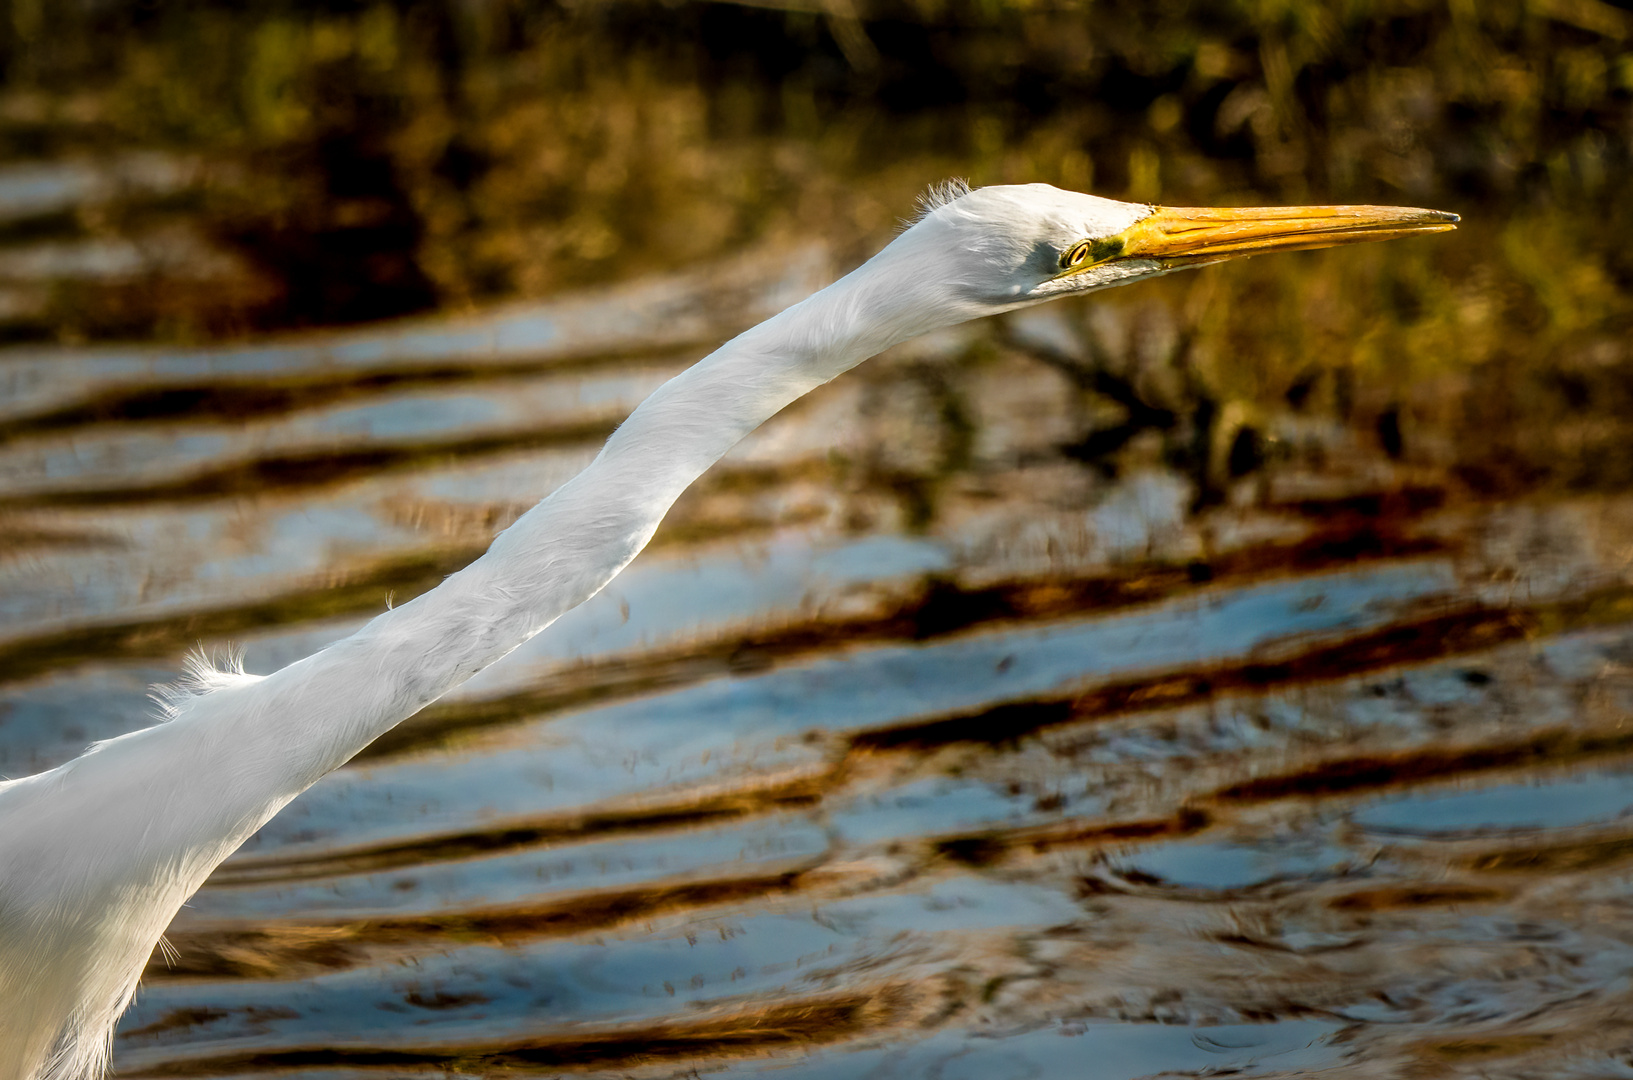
[569,546]
[96,856]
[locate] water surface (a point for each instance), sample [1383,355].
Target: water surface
[1227,675]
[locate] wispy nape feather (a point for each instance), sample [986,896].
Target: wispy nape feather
[935,197]
[202,673]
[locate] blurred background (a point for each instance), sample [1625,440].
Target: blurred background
[1229,672]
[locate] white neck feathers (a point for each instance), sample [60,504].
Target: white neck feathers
[232,757]
[570,545]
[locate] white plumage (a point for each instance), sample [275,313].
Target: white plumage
[97,855]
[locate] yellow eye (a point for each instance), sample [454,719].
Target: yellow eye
[1075,255]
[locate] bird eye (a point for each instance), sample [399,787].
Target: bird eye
[1074,255]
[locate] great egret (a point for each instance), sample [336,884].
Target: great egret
[98,854]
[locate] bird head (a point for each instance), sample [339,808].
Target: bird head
[1014,245]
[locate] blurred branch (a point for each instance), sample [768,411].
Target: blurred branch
[1594,16]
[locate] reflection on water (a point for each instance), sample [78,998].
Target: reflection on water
[1231,674]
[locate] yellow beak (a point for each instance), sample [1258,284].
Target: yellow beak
[1184,236]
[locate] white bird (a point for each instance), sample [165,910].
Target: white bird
[97,855]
